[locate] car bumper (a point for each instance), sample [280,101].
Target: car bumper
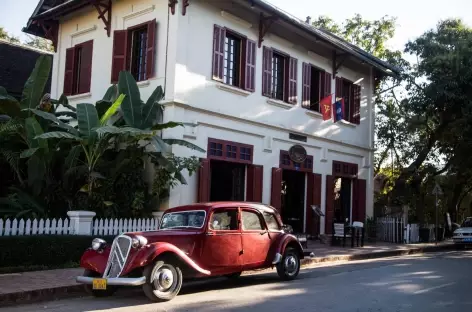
[462,240]
[119,281]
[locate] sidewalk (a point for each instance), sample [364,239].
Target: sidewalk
[52,284]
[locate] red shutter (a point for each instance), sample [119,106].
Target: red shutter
[310,192]
[361,202]
[276,190]
[151,49]
[204,181]
[329,212]
[266,71]
[355,200]
[250,72]
[292,80]
[118,64]
[254,183]
[317,201]
[357,104]
[69,71]
[327,84]
[219,35]
[306,85]
[86,67]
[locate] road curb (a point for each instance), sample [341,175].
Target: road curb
[77,290]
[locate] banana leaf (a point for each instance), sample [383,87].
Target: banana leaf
[34,86]
[132,104]
[58,135]
[87,118]
[184,143]
[55,120]
[33,130]
[29,152]
[167,125]
[152,110]
[112,110]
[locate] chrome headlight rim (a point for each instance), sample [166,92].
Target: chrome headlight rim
[138,241]
[98,244]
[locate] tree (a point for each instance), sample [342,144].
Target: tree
[4,35]
[39,43]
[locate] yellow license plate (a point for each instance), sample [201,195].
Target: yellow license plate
[99,284]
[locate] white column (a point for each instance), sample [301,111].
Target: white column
[81,221]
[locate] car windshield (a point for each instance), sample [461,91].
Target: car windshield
[183,219]
[467,223]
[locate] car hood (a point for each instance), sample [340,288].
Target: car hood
[185,240]
[464,230]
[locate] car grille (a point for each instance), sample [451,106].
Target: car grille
[118,255]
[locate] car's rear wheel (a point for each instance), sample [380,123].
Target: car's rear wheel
[163,281]
[289,267]
[233,276]
[96,292]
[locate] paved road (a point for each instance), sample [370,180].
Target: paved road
[428,283]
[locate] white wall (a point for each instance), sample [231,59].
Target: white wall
[184,65]
[84,25]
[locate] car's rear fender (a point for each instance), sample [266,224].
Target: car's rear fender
[289,241]
[152,252]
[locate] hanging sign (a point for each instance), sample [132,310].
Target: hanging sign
[297,154]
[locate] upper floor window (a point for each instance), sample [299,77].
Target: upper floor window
[234,58]
[279,76]
[316,86]
[351,93]
[78,69]
[134,50]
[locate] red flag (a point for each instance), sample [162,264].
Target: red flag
[325,105]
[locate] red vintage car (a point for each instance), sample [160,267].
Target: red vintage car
[195,241]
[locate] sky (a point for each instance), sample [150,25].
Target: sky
[413,16]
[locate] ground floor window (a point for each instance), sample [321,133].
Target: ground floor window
[227,181]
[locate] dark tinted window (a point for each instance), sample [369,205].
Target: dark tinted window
[271,221]
[224,220]
[251,221]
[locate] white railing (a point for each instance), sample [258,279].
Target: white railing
[17,227]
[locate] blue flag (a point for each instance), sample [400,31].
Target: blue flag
[339,110]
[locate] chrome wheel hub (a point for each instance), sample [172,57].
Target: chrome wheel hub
[291,265]
[163,279]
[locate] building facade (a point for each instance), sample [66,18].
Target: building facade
[251,78]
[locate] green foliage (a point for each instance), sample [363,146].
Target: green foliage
[43,250]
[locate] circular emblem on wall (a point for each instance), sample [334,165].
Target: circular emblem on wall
[297,153]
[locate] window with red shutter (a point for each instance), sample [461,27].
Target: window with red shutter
[351,94]
[316,86]
[266,71]
[78,68]
[230,151]
[234,58]
[134,50]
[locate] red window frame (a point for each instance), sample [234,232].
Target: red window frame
[230,148]
[286,163]
[344,169]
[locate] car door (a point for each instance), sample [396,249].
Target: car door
[222,243]
[256,240]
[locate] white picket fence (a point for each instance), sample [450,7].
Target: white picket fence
[394,230]
[64,226]
[391,230]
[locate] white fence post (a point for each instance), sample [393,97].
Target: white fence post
[81,222]
[157,217]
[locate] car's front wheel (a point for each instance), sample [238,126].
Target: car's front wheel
[289,267]
[95,292]
[163,281]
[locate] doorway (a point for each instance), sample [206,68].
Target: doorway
[342,200]
[227,181]
[293,199]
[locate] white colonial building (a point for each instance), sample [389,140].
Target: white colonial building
[251,77]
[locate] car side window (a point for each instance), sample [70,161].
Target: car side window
[271,221]
[251,221]
[224,220]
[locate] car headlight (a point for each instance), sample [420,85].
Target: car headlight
[98,244]
[138,241]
